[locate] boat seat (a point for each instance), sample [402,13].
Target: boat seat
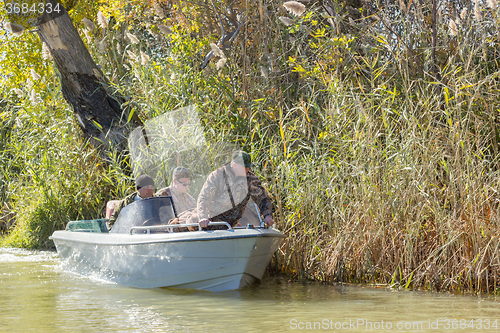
[110,207]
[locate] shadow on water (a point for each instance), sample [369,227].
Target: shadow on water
[270,289]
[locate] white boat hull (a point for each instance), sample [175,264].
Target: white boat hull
[210,260]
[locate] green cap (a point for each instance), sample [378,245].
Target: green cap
[242,158]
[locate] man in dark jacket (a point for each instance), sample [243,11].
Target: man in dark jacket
[145,186]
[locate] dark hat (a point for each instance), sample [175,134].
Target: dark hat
[181,172]
[242,158]
[143,181]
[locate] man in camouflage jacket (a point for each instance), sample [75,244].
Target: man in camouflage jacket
[225,194]
[181,180]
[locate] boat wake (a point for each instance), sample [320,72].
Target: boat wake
[23,255]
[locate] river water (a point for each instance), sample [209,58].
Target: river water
[36,295]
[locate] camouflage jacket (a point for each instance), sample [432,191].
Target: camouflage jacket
[182,201]
[224,196]
[126,201]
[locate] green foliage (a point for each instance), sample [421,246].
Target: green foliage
[48,174]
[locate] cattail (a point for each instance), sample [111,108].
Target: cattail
[463,13]
[46,52]
[144,59]
[158,10]
[220,64]
[19,123]
[331,23]
[15,29]
[294,7]
[97,73]
[217,51]
[101,20]
[132,38]
[492,4]
[402,5]
[132,55]
[34,98]
[103,45]
[35,75]
[18,92]
[137,75]
[87,36]
[88,24]
[477,12]
[166,30]
[286,20]
[453,28]
[263,72]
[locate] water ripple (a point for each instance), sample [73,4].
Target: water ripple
[23,255]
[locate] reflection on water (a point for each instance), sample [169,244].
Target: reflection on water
[37,296]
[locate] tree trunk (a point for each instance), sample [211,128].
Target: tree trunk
[99,114]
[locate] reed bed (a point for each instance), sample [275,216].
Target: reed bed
[376,134]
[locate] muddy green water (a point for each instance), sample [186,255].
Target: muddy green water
[37,296]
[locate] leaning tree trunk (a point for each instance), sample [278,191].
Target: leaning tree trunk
[99,114]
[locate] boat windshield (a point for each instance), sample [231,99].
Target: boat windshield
[177,139]
[145,212]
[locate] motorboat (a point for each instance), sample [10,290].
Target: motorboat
[143,250]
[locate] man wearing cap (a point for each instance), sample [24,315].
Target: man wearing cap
[226,192]
[178,190]
[145,186]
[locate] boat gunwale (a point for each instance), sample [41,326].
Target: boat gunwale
[276,234]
